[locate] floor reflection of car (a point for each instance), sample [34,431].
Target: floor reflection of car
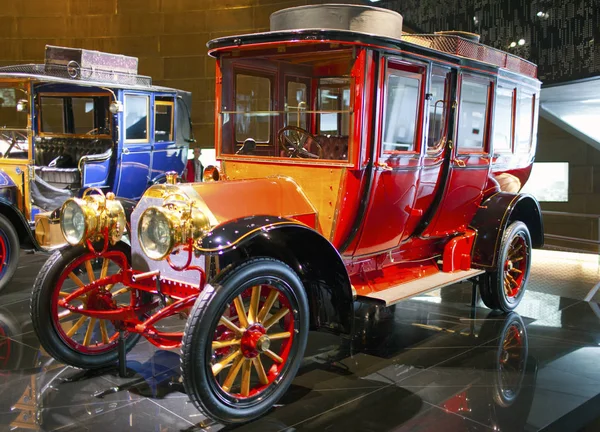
[83,119]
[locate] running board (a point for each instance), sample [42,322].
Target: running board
[395,294]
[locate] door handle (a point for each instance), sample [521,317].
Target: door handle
[125,151]
[383,166]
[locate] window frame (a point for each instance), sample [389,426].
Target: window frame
[517,143]
[136,140]
[490,103]
[65,106]
[412,70]
[170,103]
[513,121]
[272,77]
[439,148]
[287,79]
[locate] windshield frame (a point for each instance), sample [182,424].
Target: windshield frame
[229,66]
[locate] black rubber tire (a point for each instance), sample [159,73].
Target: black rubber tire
[44,325]
[14,244]
[197,337]
[492,283]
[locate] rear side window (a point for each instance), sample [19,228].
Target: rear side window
[504,120]
[525,121]
[136,117]
[401,111]
[52,113]
[163,119]
[83,115]
[252,105]
[474,100]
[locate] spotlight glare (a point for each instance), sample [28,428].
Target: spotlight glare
[513,44]
[521,42]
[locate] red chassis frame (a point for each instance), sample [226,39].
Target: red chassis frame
[128,318]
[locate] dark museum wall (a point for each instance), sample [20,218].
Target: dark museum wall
[558,35]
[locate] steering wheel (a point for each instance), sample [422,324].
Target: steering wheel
[13,137]
[94,131]
[293,140]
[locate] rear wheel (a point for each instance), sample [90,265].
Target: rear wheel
[75,339]
[244,341]
[504,288]
[9,251]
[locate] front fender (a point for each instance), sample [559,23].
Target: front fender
[307,252]
[492,218]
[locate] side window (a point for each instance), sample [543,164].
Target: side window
[334,106]
[525,123]
[437,108]
[163,119]
[401,112]
[252,106]
[83,115]
[474,100]
[52,113]
[136,117]
[296,104]
[503,120]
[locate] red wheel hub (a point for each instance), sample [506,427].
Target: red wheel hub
[254,341]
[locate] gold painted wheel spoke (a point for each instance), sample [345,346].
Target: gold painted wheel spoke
[512,280]
[76,326]
[274,318]
[231,326]
[273,356]
[88,333]
[272,297]
[104,271]
[103,331]
[75,279]
[513,252]
[241,311]
[233,373]
[283,335]
[246,373]
[516,270]
[253,309]
[90,271]
[225,344]
[63,294]
[517,259]
[218,367]
[121,291]
[262,376]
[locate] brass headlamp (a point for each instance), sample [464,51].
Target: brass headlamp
[91,216]
[176,223]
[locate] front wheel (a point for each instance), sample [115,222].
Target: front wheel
[244,341]
[504,288]
[9,251]
[74,339]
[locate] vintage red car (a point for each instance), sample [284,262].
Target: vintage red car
[358,164]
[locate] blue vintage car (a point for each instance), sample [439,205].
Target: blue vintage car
[82,119]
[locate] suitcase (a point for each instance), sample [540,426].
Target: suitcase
[83,59]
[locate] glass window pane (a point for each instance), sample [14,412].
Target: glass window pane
[437,109]
[83,115]
[473,108]
[334,95]
[136,117]
[163,122]
[52,114]
[296,103]
[401,104]
[503,120]
[525,122]
[252,96]
[9,116]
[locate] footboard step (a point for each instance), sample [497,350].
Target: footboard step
[406,290]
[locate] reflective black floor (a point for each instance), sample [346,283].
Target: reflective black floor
[432,363]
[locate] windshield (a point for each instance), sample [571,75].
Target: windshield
[288,105]
[81,115]
[14,111]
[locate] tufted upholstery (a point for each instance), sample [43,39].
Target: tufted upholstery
[334,147]
[49,148]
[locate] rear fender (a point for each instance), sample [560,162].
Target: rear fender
[492,218]
[308,253]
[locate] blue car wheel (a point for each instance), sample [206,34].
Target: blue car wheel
[9,251]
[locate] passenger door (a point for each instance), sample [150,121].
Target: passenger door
[397,167]
[133,170]
[469,164]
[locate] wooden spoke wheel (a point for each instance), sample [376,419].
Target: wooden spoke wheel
[244,340]
[75,339]
[511,361]
[504,288]
[9,251]
[299,143]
